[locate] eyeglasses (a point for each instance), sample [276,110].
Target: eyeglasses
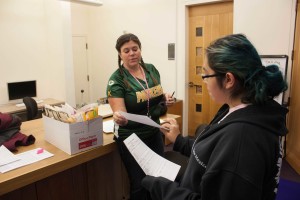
[208,76]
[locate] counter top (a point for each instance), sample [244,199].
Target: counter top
[12,108]
[61,161]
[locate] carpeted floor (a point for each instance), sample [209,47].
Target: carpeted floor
[288,173]
[289,183]
[288,190]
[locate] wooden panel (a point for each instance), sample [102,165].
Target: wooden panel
[26,193]
[104,178]
[216,20]
[69,184]
[207,9]
[125,183]
[293,137]
[176,109]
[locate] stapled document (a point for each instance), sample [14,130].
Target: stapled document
[151,163]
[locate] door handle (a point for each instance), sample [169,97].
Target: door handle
[191,84]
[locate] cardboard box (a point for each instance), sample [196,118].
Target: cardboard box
[76,137]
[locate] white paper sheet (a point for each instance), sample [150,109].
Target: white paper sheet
[105,110]
[6,156]
[151,163]
[140,119]
[26,158]
[108,126]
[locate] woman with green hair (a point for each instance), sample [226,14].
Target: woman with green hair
[238,155]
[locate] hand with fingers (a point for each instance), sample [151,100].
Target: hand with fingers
[170,129]
[170,99]
[119,119]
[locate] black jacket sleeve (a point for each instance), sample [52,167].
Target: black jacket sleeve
[227,175]
[222,186]
[183,145]
[162,188]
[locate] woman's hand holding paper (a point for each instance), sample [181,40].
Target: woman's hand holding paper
[173,129]
[119,119]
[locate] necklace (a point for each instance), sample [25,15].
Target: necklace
[147,91]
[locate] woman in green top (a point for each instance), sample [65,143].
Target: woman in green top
[135,88]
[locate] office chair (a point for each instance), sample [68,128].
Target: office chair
[31,108]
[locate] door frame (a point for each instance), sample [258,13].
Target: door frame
[293,137]
[215,20]
[182,43]
[87,67]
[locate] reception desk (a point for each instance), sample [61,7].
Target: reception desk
[93,174]
[13,109]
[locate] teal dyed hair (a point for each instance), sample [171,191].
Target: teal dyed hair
[256,84]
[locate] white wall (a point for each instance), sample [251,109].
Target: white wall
[68,54]
[36,39]
[153,21]
[32,46]
[271,28]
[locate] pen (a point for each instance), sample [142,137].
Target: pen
[172,94]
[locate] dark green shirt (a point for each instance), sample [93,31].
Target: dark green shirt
[136,100]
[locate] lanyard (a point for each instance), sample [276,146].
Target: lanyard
[146,90]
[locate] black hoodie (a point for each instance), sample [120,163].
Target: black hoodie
[238,158]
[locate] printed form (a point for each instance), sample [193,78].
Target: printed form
[22,159]
[151,163]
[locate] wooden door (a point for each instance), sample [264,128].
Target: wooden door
[80,70]
[293,137]
[206,23]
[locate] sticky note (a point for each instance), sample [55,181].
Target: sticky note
[39,150]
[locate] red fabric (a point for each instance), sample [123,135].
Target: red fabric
[5,121]
[10,135]
[19,139]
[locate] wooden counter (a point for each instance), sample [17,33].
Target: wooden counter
[93,174]
[61,161]
[12,108]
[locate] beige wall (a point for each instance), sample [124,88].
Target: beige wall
[153,21]
[270,27]
[32,46]
[36,35]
